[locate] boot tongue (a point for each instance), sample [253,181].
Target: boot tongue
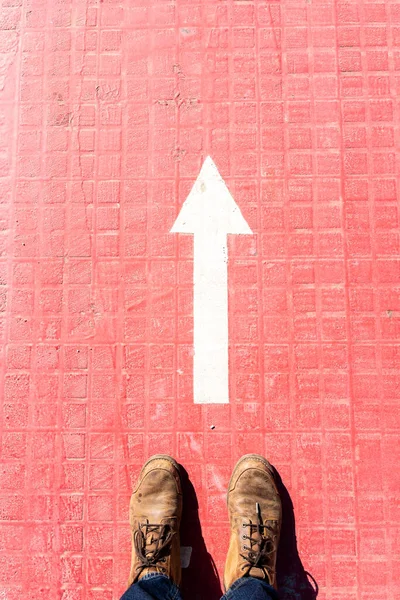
[152,541]
[259,573]
[155,539]
[261,541]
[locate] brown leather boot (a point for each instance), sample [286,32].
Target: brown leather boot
[255,515]
[155,517]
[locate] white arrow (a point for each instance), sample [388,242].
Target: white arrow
[210,213]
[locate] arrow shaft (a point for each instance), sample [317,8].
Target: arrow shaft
[210,312]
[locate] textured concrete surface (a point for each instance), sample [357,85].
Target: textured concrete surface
[107,111]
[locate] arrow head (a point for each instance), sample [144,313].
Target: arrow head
[210,208]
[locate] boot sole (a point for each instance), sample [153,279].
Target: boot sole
[246,457]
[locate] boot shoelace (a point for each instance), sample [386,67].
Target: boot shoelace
[152,544]
[264,537]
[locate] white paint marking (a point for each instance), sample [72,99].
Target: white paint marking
[210,213]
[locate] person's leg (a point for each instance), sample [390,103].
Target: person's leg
[250,588]
[155,517]
[255,515]
[153,587]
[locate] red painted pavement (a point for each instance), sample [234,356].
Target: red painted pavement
[108,109]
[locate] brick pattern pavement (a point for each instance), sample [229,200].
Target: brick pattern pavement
[107,109]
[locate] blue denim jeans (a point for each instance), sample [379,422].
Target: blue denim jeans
[159,587]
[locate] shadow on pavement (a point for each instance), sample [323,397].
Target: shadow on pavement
[294,583]
[200,580]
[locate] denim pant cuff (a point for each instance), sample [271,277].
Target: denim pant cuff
[152,576]
[233,591]
[172,592]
